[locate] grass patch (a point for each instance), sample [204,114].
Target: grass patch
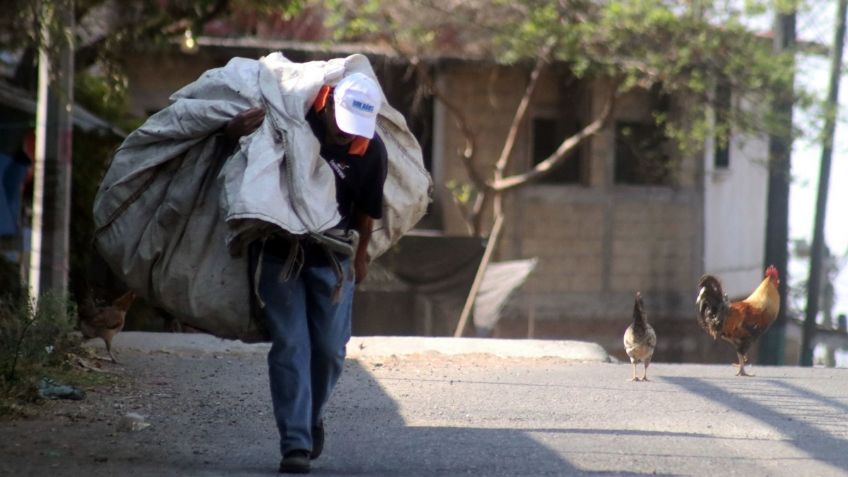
[37,342]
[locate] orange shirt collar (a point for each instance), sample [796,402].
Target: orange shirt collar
[359,144]
[321,100]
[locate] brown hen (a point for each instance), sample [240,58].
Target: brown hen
[640,340]
[105,321]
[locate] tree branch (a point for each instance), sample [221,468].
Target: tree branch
[571,143]
[521,112]
[467,153]
[477,212]
[87,54]
[473,216]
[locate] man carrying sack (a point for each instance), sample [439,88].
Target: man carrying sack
[306,288]
[251,206]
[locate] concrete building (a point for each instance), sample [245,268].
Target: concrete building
[611,222]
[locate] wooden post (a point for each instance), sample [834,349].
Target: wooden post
[478,278]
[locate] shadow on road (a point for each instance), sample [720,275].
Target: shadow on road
[634,432]
[799,391]
[808,434]
[368,436]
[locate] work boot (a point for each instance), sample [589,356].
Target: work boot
[295,462]
[317,440]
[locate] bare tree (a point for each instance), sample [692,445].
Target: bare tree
[678,49]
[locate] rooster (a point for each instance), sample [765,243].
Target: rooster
[104,321]
[640,339]
[739,323]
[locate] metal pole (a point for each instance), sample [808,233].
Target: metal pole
[52,168]
[773,343]
[817,251]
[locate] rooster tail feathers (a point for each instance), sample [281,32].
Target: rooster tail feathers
[712,304]
[124,301]
[711,283]
[639,318]
[86,306]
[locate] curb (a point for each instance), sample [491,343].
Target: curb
[370,346]
[503,348]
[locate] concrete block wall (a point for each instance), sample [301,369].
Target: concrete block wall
[597,242]
[489,96]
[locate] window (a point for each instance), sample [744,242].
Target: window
[548,134]
[722,136]
[640,154]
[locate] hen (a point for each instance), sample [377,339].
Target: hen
[105,321]
[640,339]
[742,322]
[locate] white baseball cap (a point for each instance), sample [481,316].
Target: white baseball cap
[357,99]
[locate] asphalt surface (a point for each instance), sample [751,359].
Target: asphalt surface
[434,407]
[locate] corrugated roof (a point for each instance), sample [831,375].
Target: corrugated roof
[329,48]
[22,100]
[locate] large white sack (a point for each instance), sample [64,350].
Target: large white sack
[170,207]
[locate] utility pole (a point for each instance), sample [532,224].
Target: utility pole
[52,169]
[773,343]
[817,251]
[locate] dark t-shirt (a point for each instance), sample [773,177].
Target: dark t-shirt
[359,178]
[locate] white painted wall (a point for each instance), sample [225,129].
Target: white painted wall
[735,215]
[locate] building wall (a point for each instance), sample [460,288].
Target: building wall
[598,242]
[155,76]
[489,96]
[735,214]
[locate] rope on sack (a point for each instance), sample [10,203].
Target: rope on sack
[257,274]
[291,268]
[294,261]
[336,297]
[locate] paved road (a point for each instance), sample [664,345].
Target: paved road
[403,410]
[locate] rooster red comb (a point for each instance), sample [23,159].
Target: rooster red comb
[772,273]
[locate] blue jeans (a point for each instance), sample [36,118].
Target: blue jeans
[308,337]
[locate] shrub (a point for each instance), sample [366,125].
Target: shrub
[33,341]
